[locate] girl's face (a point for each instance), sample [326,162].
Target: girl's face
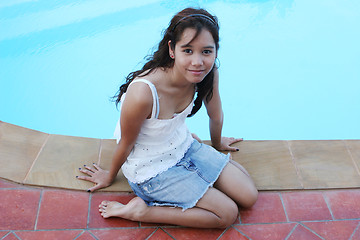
[194,59]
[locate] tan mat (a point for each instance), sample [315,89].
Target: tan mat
[35,158]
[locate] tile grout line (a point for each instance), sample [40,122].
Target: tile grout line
[296,167]
[292,231]
[239,218]
[6,235]
[352,157]
[283,205]
[79,235]
[17,237]
[241,232]
[167,233]
[328,205]
[13,233]
[148,237]
[38,211]
[225,230]
[89,209]
[92,234]
[312,231]
[352,235]
[36,158]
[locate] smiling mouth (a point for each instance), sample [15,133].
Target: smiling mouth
[196,72]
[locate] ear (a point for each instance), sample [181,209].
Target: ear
[171,51]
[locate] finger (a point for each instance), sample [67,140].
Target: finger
[86,178]
[235,140]
[238,139]
[90,173]
[232,149]
[96,166]
[94,188]
[89,168]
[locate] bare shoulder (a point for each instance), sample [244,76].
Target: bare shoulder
[138,95]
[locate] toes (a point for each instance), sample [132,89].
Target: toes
[104,204]
[102,208]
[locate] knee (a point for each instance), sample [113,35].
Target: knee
[229,215]
[251,198]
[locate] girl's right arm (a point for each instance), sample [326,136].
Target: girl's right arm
[135,109]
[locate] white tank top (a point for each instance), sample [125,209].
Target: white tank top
[161,143]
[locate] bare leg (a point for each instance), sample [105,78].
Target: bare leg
[213,210]
[236,183]
[238,165]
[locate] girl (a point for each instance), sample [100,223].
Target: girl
[177,179]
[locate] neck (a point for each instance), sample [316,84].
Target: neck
[177,80]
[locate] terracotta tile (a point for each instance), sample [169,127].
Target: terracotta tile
[354,148]
[233,234]
[344,203]
[2,234]
[267,209]
[160,235]
[97,221]
[305,206]
[334,230]
[325,164]
[123,234]
[36,235]
[7,184]
[11,236]
[62,209]
[107,150]
[58,163]
[18,208]
[18,149]
[277,231]
[194,233]
[279,173]
[356,235]
[86,236]
[302,233]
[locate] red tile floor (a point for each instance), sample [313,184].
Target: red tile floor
[46,213]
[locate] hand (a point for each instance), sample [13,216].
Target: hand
[226,142]
[97,175]
[196,137]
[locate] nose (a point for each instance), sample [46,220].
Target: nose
[197,60]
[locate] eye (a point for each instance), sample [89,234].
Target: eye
[187,51]
[207,52]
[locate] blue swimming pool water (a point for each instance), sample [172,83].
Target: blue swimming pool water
[290,69]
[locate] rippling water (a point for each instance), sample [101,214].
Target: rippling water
[290,69]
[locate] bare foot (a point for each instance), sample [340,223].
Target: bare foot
[134,210]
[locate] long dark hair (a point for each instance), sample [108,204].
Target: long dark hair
[187,18]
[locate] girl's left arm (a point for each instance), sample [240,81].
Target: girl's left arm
[216,116]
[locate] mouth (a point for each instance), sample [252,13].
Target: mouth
[196,72]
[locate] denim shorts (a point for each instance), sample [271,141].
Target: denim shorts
[184,184]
